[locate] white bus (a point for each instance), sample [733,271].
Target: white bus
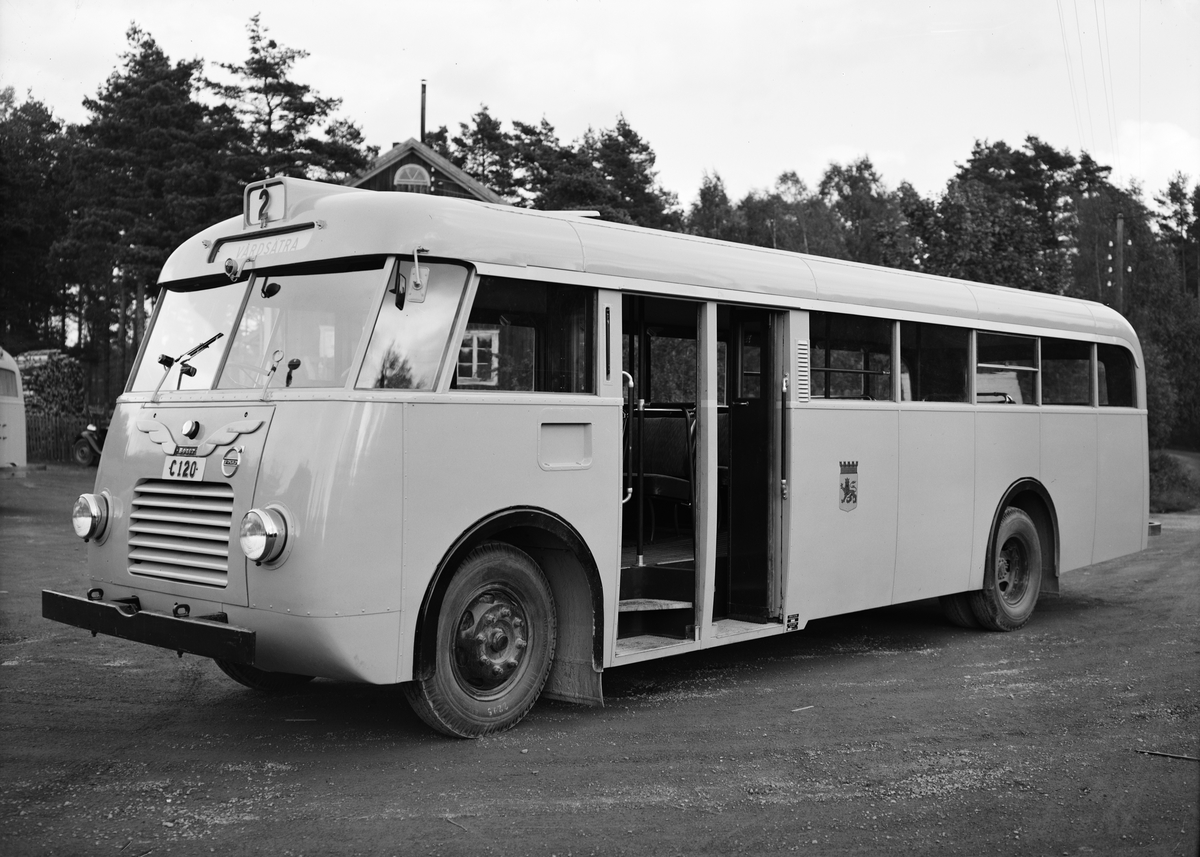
[12,413]
[490,452]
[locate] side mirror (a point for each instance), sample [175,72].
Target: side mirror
[412,288]
[397,286]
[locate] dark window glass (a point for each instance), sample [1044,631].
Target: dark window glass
[528,335]
[672,368]
[851,356]
[1005,369]
[1066,372]
[8,383]
[1118,380]
[751,365]
[933,362]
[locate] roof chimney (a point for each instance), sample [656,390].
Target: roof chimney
[422,111]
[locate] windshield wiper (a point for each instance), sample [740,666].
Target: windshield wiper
[185,368]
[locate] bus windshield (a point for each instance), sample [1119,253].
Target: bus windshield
[316,320]
[184,320]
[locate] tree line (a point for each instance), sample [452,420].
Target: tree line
[1029,217]
[89,213]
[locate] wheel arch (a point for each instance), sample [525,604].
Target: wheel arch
[564,557]
[1030,496]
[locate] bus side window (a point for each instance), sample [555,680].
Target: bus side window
[1066,372]
[851,356]
[524,335]
[933,360]
[407,345]
[1118,381]
[1006,369]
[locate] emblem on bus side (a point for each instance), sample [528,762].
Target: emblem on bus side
[848,486]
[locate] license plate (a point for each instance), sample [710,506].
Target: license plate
[184,467]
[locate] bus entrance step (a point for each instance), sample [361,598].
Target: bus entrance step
[637,605]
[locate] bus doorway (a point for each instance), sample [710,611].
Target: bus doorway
[658,547]
[668,584]
[746,439]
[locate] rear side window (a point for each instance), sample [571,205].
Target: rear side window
[1066,372]
[1118,379]
[526,335]
[851,357]
[1006,369]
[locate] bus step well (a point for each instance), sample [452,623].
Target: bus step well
[634,605]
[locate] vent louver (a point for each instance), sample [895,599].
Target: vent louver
[802,374]
[180,531]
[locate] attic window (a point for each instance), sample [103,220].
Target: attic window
[412,178]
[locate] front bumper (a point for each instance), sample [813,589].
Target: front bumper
[210,637]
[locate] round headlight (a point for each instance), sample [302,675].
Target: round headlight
[263,535]
[90,516]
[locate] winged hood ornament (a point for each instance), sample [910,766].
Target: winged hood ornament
[223,436]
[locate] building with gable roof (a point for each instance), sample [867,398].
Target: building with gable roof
[413,167]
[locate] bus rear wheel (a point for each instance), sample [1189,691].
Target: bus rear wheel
[256,679]
[496,636]
[1013,576]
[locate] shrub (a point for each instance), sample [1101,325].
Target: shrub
[53,383]
[1172,488]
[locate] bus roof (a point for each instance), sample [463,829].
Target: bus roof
[323,221]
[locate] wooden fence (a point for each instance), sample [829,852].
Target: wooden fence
[49,438]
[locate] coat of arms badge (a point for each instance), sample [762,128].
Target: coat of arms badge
[848,486]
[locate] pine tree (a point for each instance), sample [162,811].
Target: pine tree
[280,115]
[33,214]
[152,166]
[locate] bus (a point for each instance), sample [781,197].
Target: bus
[12,414]
[488,452]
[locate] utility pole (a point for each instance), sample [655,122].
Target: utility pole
[1119,304]
[1118,294]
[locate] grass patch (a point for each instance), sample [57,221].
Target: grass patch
[1172,488]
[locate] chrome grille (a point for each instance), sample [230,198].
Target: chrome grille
[180,531]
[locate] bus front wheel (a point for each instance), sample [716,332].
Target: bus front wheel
[1013,576]
[496,635]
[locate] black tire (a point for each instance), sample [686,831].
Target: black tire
[1012,578]
[262,680]
[82,453]
[957,608]
[496,634]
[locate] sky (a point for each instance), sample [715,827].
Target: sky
[746,89]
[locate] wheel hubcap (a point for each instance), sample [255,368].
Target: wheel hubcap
[1012,571]
[491,641]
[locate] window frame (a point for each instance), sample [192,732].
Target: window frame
[1008,367]
[826,372]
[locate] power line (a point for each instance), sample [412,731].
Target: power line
[1110,102]
[1083,71]
[1062,31]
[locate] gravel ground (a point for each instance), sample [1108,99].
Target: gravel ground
[878,732]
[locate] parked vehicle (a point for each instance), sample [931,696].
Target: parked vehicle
[88,443]
[393,437]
